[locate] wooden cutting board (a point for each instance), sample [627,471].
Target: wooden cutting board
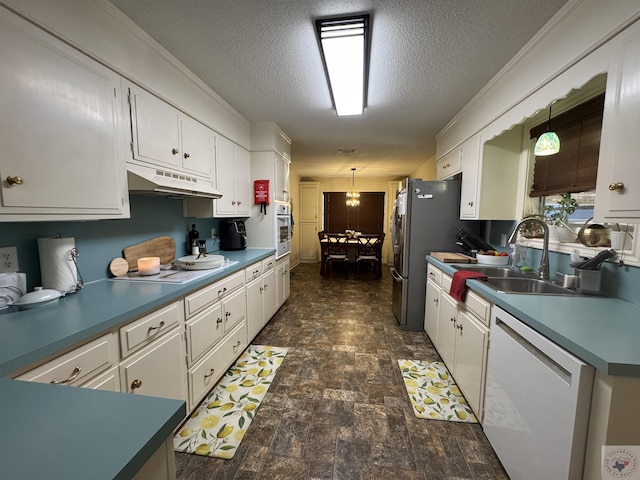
[163,247]
[450,257]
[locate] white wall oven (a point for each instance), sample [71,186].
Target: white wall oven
[283,229]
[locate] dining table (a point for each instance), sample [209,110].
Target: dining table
[352,251]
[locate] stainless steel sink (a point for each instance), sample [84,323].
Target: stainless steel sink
[490,271]
[527,286]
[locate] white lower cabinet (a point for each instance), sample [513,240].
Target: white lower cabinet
[283,279]
[206,373]
[261,301]
[432,310]
[108,381]
[159,370]
[462,339]
[204,330]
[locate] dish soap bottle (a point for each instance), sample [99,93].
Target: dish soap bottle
[192,242]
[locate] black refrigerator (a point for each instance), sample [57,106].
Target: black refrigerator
[426,218]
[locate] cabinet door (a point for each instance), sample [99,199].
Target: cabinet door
[62,128]
[309,202]
[618,186]
[470,160]
[242,180]
[270,294]
[203,331]
[155,126]
[309,244]
[225,177]
[471,350]
[447,322]
[448,164]
[255,309]
[432,311]
[159,370]
[281,192]
[284,282]
[198,152]
[234,308]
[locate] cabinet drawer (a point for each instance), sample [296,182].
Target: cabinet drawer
[235,309]
[446,283]
[197,301]
[140,332]
[204,375]
[78,365]
[434,274]
[253,272]
[203,331]
[478,306]
[268,263]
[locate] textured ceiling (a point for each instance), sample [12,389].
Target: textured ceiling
[428,59]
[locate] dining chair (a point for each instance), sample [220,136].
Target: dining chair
[370,251]
[336,250]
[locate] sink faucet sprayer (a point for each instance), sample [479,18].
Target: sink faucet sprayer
[543,268]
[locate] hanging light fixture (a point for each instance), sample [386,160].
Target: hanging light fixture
[353,195]
[548,143]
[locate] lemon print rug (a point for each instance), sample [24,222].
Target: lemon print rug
[218,425]
[433,393]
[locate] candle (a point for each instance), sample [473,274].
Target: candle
[148,265]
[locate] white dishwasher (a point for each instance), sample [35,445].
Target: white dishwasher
[537,403]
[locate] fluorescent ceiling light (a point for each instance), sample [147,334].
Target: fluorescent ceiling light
[344,46]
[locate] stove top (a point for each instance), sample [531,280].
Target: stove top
[172,275]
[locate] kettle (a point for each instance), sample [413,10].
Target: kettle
[594,235]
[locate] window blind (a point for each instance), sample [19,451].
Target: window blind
[575,167]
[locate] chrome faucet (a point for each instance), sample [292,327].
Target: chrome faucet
[543,268]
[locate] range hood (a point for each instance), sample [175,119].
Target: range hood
[151,180]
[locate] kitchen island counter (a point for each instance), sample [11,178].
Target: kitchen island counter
[601,331]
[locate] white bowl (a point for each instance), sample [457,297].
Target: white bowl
[492,259]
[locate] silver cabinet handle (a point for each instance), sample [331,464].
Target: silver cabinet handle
[74,374]
[186,155]
[220,292]
[175,151]
[14,180]
[235,347]
[614,187]
[136,384]
[211,372]
[160,325]
[218,321]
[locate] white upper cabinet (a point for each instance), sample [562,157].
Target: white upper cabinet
[490,176]
[166,137]
[63,155]
[618,186]
[449,164]
[271,154]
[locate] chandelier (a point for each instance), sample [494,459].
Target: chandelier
[353,195]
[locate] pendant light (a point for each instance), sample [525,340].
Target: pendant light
[548,143]
[353,195]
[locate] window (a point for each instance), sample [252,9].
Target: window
[368,217]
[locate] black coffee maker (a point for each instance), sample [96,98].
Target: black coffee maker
[233,235]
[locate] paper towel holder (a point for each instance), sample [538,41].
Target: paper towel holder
[74,253]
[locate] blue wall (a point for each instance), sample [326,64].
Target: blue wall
[617,280]
[99,242]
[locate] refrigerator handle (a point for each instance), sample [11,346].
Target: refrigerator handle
[396,276]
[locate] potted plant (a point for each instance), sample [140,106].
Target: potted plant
[558,214]
[532,229]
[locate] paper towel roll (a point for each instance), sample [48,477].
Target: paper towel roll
[57,269]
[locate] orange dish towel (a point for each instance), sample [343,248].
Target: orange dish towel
[458,288]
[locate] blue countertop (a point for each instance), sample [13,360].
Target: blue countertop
[601,331]
[60,432]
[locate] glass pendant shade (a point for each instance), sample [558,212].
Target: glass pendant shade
[548,143]
[353,195]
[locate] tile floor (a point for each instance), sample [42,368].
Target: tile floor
[338,408]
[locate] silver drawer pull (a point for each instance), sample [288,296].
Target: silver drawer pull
[156,328]
[227,314]
[235,347]
[136,384]
[218,320]
[211,372]
[220,292]
[74,375]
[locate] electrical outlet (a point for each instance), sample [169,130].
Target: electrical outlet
[213,233]
[503,240]
[8,259]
